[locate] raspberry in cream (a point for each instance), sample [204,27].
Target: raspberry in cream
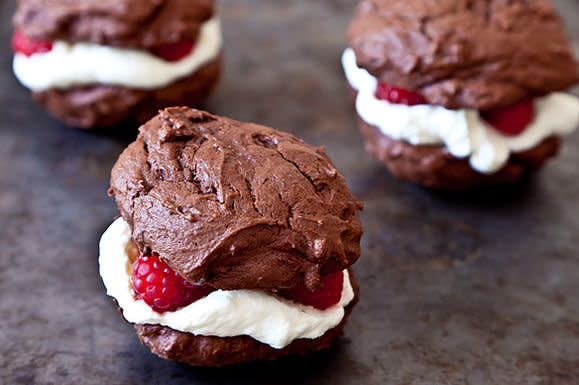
[264,316]
[465,133]
[67,65]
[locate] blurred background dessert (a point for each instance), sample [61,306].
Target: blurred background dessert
[455,94]
[100,63]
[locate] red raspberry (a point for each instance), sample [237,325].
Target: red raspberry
[25,45]
[174,51]
[399,95]
[192,292]
[511,120]
[327,295]
[161,288]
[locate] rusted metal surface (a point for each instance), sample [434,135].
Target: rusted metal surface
[456,288]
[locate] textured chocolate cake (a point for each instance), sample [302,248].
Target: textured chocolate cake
[99,63]
[455,94]
[235,242]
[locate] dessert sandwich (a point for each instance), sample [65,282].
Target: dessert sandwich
[235,241]
[455,94]
[100,63]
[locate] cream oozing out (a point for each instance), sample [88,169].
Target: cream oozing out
[463,132]
[74,64]
[267,318]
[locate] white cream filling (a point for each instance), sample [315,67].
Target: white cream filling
[267,318]
[68,65]
[463,132]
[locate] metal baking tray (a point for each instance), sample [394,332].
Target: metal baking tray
[456,288]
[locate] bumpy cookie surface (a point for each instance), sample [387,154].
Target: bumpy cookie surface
[124,23]
[235,205]
[434,166]
[465,53]
[108,105]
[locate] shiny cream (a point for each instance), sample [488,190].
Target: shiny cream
[68,65]
[463,132]
[267,318]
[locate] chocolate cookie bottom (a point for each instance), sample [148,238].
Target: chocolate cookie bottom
[106,106]
[434,166]
[220,351]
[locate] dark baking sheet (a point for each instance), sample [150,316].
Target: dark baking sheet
[456,288]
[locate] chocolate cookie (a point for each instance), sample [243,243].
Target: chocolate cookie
[219,217]
[478,54]
[104,63]
[433,166]
[142,24]
[229,199]
[457,94]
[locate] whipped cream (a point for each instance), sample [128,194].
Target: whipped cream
[68,65]
[464,132]
[267,318]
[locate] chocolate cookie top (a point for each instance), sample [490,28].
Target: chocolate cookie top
[124,23]
[465,53]
[235,205]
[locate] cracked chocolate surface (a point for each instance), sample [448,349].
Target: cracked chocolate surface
[123,23]
[479,54]
[235,205]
